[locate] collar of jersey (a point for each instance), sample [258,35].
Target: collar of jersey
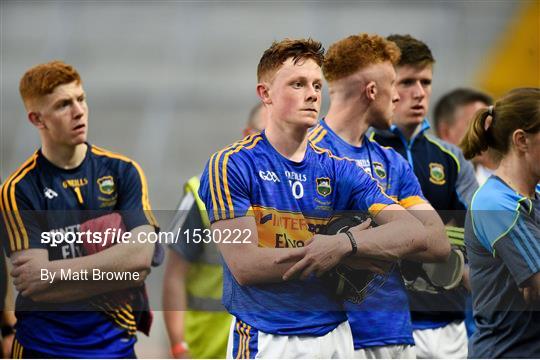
[283,158]
[356,149]
[46,162]
[424,126]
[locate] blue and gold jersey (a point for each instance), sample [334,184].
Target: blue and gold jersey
[387,310]
[40,197]
[290,202]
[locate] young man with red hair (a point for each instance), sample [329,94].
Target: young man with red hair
[58,191]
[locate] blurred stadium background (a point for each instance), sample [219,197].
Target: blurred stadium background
[169,82]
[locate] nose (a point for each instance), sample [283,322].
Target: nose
[418,91]
[395,96]
[78,109]
[312,94]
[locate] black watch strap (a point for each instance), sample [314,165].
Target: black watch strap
[353,243]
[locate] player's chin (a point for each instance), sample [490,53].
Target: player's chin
[416,119]
[311,119]
[79,139]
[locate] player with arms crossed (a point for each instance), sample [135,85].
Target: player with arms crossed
[361,77]
[282,190]
[51,192]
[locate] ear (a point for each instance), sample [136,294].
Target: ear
[35,119]
[371,90]
[519,138]
[263,92]
[443,130]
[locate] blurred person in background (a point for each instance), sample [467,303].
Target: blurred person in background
[503,229]
[256,120]
[197,323]
[447,181]
[453,113]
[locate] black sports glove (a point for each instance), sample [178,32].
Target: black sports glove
[345,282]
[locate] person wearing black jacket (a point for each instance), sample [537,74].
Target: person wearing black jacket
[447,181]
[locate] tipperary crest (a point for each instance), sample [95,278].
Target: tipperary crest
[436,174]
[106,184]
[323,186]
[379,170]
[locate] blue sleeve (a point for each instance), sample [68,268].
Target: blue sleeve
[409,192]
[22,224]
[133,201]
[519,249]
[224,187]
[364,192]
[494,212]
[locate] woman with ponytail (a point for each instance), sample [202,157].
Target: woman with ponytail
[502,231]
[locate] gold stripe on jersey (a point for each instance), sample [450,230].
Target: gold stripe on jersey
[130,326]
[214,177]
[313,134]
[240,342]
[120,316]
[127,313]
[217,173]
[211,182]
[18,235]
[14,349]
[244,341]
[144,185]
[321,135]
[248,340]
[412,201]
[237,145]
[116,313]
[375,209]
[4,205]
[225,181]
[21,351]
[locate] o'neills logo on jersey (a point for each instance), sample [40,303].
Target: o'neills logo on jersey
[106,184]
[74,183]
[323,186]
[436,174]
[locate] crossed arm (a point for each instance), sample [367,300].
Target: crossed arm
[400,234]
[28,264]
[438,246]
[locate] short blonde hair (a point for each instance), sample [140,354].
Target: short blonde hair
[347,56]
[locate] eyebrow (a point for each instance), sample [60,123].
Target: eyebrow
[68,98]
